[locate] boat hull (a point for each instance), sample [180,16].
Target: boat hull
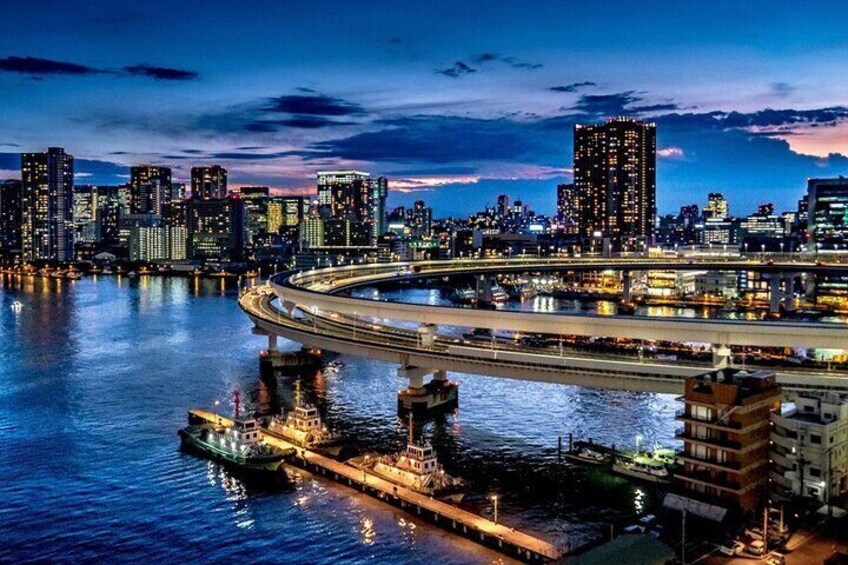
[266,467]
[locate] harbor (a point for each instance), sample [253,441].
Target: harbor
[511,542]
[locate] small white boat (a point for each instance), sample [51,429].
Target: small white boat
[589,456]
[17,306]
[303,426]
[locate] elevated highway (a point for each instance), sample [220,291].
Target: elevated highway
[332,330]
[318,290]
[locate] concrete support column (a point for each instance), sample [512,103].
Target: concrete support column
[789,291]
[626,279]
[428,334]
[272,342]
[722,356]
[414,375]
[774,293]
[810,286]
[440,376]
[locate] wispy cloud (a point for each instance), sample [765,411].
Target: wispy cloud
[160,73]
[35,66]
[572,87]
[457,70]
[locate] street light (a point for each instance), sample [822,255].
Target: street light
[495,510]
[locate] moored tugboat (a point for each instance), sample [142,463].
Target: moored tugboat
[416,468]
[655,467]
[303,426]
[239,447]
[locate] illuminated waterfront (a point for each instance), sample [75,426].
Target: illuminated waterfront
[97,375]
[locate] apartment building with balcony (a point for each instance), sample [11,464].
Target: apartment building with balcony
[725,437]
[809,448]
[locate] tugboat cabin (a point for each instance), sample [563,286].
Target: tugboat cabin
[307,418]
[246,431]
[422,458]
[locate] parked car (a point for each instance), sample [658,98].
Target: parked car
[757,547]
[774,558]
[733,548]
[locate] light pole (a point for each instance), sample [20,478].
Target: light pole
[495,509]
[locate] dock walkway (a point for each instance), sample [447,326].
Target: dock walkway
[503,538]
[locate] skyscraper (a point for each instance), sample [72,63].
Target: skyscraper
[216,229]
[10,218]
[615,180]
[353,196]
[827,219]
[209,182]
[47,202]
[150,189]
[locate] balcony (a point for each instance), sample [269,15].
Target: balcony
[779,479]
[783,441]
[713,441]
[706,478]
[729,466]
[713,422]
[785,461]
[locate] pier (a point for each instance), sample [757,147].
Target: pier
[508,541]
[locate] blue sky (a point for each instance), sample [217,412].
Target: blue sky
[455,101]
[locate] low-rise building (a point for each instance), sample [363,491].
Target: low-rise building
[809,447]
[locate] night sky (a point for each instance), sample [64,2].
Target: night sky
[455,101]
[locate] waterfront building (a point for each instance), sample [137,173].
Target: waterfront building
[10,218]
[827,208]
[216,229]
[47,231]
[615,181]
[809,447]
[150,189]
[85,214]
[717,283]
[127,222]
[209,183]
[763,231]
[726,437]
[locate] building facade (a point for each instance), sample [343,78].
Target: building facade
[150,189]
[216,229]
[10,218]
[827,214]
[47,200]
[615,182]
[726,437]
[809,455]
[209,183]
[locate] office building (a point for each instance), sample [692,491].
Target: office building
[312,232]
[216,229]
[128,222]
[615,182]
[809,453]
[503,209]
[150,189]
[717,207]
[726,437]
[421,219]
[353,196]
[208,183]
[47,201]
[10,218]
[827,211]
[255,210]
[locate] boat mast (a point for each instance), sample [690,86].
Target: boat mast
[410,428]
[236,396]
[297,393]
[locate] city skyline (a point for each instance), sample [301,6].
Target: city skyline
[455,121]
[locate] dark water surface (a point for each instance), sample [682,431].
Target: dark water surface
[95,380]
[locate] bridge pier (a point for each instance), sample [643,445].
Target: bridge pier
[272,343]
[424,399]
[627,283]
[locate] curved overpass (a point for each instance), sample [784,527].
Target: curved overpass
[333,332]
[317,290]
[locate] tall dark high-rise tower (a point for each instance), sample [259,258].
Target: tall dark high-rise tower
[10,218]
[615,181]
[150,189]
[47,202]
[209,182]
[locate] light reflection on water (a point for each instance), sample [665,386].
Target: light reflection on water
[95,379]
